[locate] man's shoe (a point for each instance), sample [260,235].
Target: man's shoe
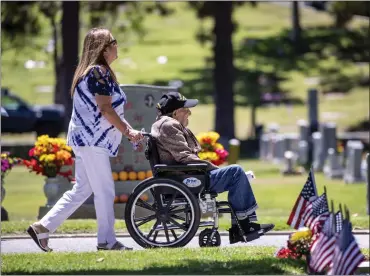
[252,231]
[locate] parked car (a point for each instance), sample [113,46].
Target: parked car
[22,117]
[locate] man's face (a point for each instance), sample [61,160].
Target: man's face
[182,115]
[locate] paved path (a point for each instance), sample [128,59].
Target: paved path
[88,244]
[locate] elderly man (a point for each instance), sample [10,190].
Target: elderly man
[178,145]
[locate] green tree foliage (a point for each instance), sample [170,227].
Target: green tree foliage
[344,11]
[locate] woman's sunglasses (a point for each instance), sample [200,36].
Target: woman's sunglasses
[113,42]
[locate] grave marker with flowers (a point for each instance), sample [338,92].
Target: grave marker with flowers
[52,158]
[212,151]
[7,163]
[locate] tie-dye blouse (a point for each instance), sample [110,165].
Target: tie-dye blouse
[87,126]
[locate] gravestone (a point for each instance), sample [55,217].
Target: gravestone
[302,152]
[304,130]
[313,110]
[290,159]
[234,151]
[279,148]
[328,140]
[264,147]
[273,128]
[271,146]
[333,168]
[140,113]
[316,149]
[352,172]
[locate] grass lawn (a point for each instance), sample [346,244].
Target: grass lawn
[232,260]
[243,260]
[275,194]
[187,61]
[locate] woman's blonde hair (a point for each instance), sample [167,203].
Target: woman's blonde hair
[95,42]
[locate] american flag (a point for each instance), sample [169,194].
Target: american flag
[338,222]
[308,194]
[316,213]
[347,254]
[322,249]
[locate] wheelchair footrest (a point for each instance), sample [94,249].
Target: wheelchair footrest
[235,236]
[224,210]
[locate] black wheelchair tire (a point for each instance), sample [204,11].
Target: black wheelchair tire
[203,236]
[144,185]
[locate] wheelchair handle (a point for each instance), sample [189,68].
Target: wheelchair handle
[146,134]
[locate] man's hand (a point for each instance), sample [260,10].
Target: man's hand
[250,175]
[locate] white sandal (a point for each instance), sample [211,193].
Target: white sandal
[37,237]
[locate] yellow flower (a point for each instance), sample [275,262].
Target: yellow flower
[47,158]
[218,146]
[202,155]
[200,136]
[214,136]
[300,235]
[63,155]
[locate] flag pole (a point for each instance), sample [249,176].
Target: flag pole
[334,221]
[313,178]
[347,212]
[325,192]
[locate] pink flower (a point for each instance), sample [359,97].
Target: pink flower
[222,153]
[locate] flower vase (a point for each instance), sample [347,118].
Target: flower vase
[54,188]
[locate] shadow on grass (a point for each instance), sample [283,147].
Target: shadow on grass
[318,43]
[247,89]
[267,266]
[274,56]
[360,126]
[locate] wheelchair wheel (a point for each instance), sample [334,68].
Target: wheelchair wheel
[205,235]
[170,218]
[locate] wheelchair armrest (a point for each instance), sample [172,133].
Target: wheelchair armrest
[181,168]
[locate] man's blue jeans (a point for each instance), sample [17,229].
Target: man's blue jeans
[241,198]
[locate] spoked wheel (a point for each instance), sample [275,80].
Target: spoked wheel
[206,239]
[169,218]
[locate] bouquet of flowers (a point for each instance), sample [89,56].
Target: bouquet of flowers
[7,163]
[211,150]
[298,245]
[48,156]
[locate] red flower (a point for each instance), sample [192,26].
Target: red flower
[222,153]
[217,162]
[207,140]
[31,152]
[285,253]
[55,148]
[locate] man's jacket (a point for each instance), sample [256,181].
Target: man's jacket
[176,144]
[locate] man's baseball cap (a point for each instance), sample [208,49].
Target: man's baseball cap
[174,100]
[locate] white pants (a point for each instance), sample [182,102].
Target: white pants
[93,175]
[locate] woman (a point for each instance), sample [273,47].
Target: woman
[95,132]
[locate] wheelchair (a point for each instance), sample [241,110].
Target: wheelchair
[172,215]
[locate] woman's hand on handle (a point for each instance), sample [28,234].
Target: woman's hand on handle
[134,135]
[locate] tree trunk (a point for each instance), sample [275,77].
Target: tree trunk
[296,27]
[223,69]
[58,95]
[70,36]
[252,133]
